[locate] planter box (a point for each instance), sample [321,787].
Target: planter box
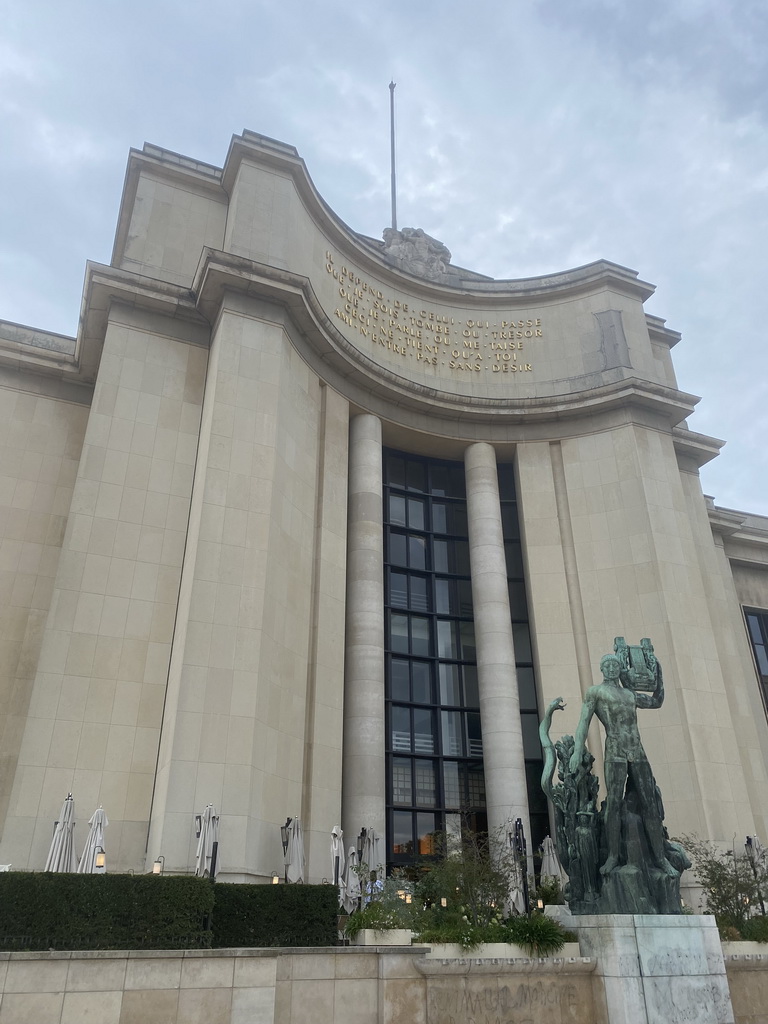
[745,948]
[387,937]
[491,951]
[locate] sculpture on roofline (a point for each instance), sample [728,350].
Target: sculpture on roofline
[412,249]
[619,857]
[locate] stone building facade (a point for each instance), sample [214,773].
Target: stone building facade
[301,523]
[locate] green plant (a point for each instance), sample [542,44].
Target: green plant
[756,929]
[42,910]
[549,892]
[275,915]
[731,889]
[387,907]
[537,934]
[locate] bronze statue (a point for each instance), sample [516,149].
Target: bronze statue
[639,868]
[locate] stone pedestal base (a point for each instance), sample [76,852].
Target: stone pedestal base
[655,969]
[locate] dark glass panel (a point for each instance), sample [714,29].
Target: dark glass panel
[474,735]
[465,597]
[415,514]
[443,593]
[475,785]
[395,471]
[453,795]
[398,680]
[397,510]
[762,659]
[531,744]
[420,636]
[462,557]
[398,589]
[439,481]
[425,783]
[446,639]
[468,652]
[526,687]
[402,791]
[457,521]
[402,832]
[518,605]
[423,731]
[425,833]
[419,600]
[401,728]
[509,522]
[415,476]
[471,692]
[754,628]
[507,481]
[439,517]
[514,553]
[398,633]
[450,691]
[417,552]
[522,640]
[453,738]
[397,549]
[440,555]
[422,689]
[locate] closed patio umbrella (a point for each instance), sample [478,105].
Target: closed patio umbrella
[351,882]
[550,864]
[207,842]
[294,854]
[337,859]
[372,854]
[94,843]
[61,856]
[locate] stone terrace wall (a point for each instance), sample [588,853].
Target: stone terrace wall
[373,985]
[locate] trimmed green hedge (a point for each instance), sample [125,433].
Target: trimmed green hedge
[111,911]
[275,915]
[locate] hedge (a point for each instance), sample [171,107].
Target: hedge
[275,915]
[68,911]
[110,911]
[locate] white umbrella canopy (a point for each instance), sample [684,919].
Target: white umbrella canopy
[516,894]
[61,856]
[209,834]
[756,853]
[352,889]
[94,841]
[372,854]
[294,854]
[550,863]
[337,859]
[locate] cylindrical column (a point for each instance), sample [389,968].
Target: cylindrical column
[503,757]
[364,782]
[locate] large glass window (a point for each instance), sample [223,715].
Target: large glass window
[435,743]
[757,628]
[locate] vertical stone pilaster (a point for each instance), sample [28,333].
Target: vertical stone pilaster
[363,798]
[504,760]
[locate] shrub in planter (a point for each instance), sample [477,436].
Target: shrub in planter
[756,929]
[275,915]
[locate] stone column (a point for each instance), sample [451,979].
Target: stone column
[364,781]
[503,757]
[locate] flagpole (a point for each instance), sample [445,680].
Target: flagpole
[392,151]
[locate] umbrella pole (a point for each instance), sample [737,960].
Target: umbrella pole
[214,858]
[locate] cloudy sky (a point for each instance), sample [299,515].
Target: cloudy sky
[533,135]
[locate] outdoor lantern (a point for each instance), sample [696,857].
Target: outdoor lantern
[275,878]
[101,859]
[157,867]
[198,825]
[443,901]
[540,904]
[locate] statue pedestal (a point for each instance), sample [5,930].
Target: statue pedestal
[655,969]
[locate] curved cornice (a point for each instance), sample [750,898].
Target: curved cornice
[219,273]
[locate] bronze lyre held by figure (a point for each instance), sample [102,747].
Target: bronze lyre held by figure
[619,857]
